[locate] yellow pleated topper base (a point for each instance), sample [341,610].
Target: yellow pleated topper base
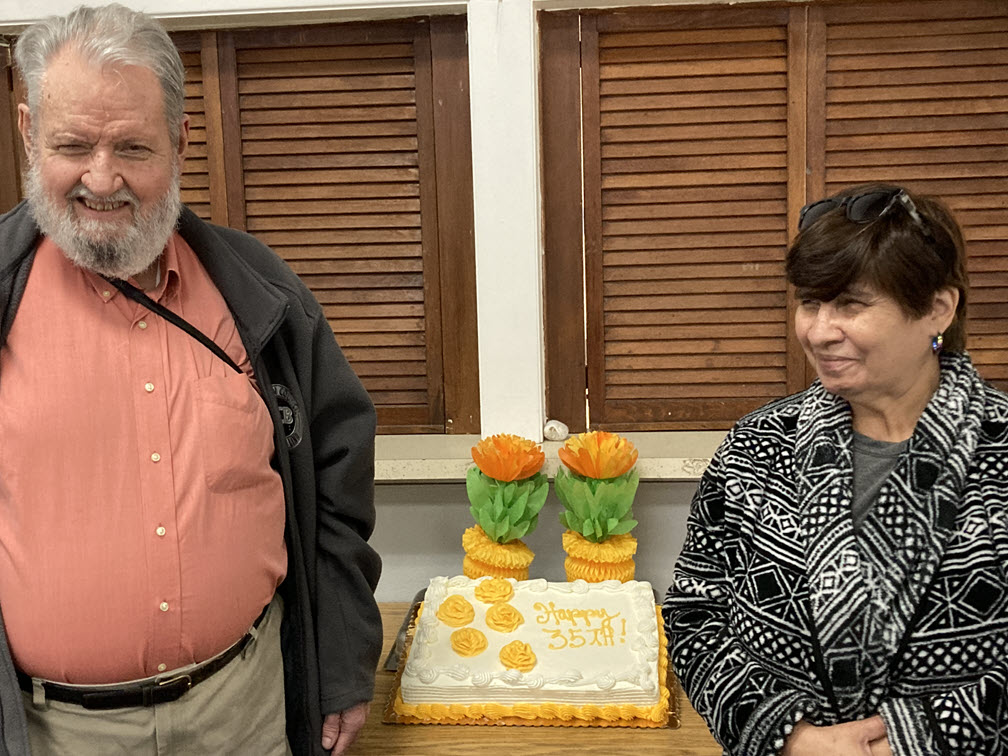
[503,651]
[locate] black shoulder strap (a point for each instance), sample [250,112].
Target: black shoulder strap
[139,297]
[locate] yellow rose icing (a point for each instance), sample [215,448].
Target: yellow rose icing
[503,618]
[468,642]
[455,611]
[518,655]
[493,590]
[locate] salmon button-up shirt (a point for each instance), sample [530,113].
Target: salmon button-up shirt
[141,524]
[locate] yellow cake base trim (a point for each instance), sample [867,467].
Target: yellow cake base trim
[547,714]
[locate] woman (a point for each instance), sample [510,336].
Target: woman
[842,588]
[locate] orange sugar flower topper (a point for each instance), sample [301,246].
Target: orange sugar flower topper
[507,457]
[598,454]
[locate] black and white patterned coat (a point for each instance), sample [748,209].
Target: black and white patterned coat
[779,612]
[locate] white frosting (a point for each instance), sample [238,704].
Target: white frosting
[595,643]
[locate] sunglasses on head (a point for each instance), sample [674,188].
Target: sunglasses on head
[863,208]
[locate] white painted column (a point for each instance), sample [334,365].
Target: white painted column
[506,198]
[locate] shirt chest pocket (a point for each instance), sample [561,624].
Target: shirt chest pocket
[236,433]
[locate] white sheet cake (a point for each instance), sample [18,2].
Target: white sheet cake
[578,644]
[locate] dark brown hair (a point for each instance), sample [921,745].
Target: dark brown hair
[892,254]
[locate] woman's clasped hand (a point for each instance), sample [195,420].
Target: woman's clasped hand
[862,737]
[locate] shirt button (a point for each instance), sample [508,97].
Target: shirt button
[142,324]
[160,530]
[164,606]
[162,667]
[155,457]
[148,387]
[106,293]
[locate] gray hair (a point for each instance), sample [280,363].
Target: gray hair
[106,35]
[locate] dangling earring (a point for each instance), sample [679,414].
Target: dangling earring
[936,344]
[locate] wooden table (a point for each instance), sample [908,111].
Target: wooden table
[691,739]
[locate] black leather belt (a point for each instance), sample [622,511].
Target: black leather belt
[148,693]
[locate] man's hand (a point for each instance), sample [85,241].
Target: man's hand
[864,737]
[341,729]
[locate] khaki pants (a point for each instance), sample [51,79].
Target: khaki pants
[240,709]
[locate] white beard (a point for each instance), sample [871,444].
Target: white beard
[104,248]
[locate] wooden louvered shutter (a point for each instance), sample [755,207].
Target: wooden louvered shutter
[13,161]
[917,94]
[686,201]
[335,125]
[195,170]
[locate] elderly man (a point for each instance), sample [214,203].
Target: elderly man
[186,473]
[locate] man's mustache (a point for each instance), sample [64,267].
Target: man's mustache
[125,194]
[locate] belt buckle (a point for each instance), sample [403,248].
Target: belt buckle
[173,688]
[177,678]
